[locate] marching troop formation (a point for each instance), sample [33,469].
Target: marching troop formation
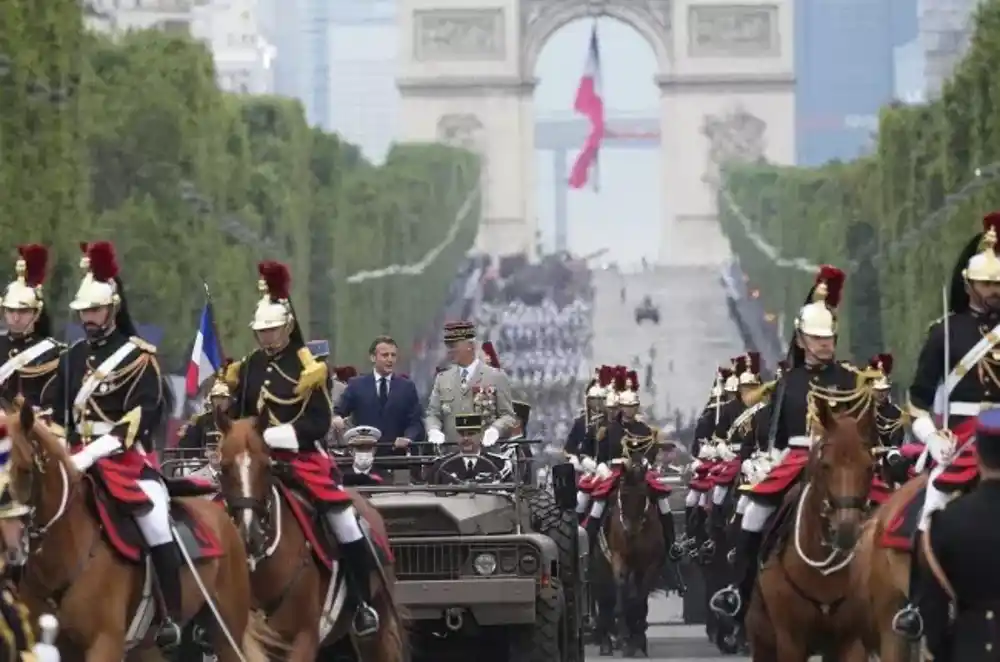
[808,484]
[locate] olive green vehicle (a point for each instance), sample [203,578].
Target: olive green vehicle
[501,559]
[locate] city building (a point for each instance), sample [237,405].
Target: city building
[845,71]
[233,31]
[945,28]
[116,16]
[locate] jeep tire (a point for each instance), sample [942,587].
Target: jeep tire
[539,642]
[561,527]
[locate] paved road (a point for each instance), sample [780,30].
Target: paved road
[694,335]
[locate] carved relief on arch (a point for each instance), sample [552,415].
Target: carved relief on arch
[541,18]
[736,135]
[465,130]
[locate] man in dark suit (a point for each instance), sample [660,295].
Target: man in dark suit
[384,401]
[470,464]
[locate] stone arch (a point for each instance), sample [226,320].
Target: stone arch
[540,19]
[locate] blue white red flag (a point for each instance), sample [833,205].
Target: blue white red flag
[206,357]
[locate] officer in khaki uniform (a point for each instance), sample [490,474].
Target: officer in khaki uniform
[468,386]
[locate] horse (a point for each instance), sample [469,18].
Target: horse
[882,569]
[636,554]
[296,579]
[85,559]
[803,603]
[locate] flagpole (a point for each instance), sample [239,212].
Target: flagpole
[215,327]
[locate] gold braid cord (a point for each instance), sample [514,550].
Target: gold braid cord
[851,403]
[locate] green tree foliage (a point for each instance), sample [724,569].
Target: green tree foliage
[904,191]
[130,140]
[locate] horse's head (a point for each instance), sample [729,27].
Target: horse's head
[840,473]
[245,476]
[633,493]
[42,476]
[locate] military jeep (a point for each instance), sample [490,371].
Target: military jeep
[476,560]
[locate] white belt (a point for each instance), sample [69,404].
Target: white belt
[800,441]
[96,428]
[970,408]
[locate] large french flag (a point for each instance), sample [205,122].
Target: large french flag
[206,357]
[589,104]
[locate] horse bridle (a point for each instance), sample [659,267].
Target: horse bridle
[35,532]
[628,464]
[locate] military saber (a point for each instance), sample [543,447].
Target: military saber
[946,405]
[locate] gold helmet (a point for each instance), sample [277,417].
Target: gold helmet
[629,395]
[750,376]
[274,310]
[882,364]
[99,287]
[732,383]
[220,388]
[819,316]
[25,292]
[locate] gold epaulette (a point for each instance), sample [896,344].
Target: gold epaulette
[314,373]
[144,345]
[759,393]
[232,375]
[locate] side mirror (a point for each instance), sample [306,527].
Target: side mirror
[564,485]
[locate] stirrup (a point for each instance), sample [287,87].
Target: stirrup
[909,611]
[365,610]
[675,551]
[725,594]
[168,635]
[708,547]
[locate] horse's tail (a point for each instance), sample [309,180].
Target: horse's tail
[393,639]
[260,641]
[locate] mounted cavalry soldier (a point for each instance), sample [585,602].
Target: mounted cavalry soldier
[582,448]
[961,588]
[110,396]
[813,373]
[30,355]
[283,381]
[943,407]
[888,416]
[631,440]
[202,433]
[468,386]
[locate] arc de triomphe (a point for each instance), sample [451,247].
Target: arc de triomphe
[726,81]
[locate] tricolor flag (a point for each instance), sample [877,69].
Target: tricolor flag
[206,357]
[589,104]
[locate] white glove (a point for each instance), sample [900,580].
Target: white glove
[575,461]
[941,447]
[706,452]
[490,437]
[435,437]
[589,465]
[777,455]
[96,450]
[45,650]
[603,471]
[747,468]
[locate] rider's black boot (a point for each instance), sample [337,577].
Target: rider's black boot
[359,565]
[167,566]
[908,622]
[672,572]
[732,601]
[593,528]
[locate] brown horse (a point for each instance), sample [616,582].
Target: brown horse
[296,580]
[80,564]
[636,550]
[802,603]
[881,575]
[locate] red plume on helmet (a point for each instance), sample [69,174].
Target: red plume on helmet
[491,354]
[344,373]
[632,379]
[753,362]
[739,365]
[276,278]
[605,376]
[992,222]
[834,279]
[882,362]
[103,262]
[724,374]
[621,372]
[36,261]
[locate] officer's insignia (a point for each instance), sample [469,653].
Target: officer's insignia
[143,345]
[445,409]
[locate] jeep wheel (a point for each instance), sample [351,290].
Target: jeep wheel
[540,642]
[561,526]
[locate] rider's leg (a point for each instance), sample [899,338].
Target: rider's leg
[666,521]
[582,504]
[734,600]
[343,521]
[593,525]
[716,517]
[154,525]
[908,622]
